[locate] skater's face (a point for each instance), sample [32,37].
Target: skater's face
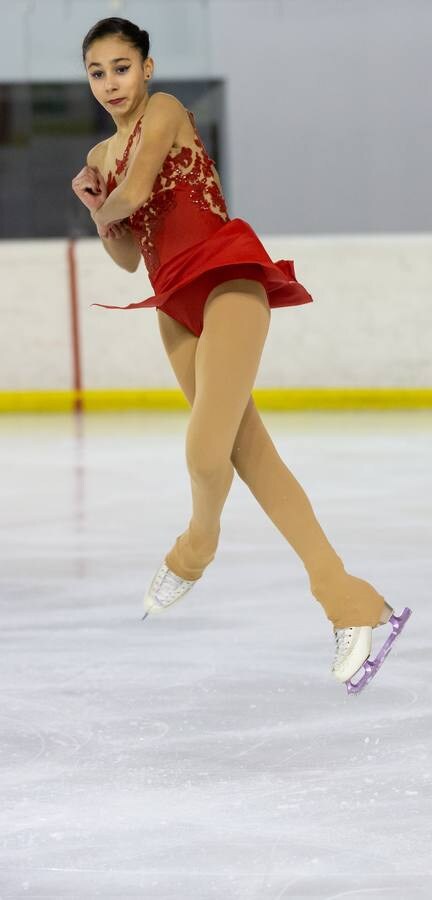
[117,72]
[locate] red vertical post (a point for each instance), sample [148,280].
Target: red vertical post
[74,320]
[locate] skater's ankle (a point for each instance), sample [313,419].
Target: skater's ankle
[182,573]
[386,613]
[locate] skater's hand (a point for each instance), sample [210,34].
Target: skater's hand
[90,187]
[114,230]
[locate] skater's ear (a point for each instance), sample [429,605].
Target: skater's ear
[159,127]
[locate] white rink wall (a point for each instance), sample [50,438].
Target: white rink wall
[370,324]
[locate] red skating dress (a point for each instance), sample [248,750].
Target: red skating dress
[189,243]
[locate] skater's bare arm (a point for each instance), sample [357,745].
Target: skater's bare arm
[122,247]
[118,239]
[159,128]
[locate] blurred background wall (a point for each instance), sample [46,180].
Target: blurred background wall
[317,114]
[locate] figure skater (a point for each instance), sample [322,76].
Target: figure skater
[153,191]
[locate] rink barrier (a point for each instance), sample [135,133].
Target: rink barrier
[277,399]
[59,341]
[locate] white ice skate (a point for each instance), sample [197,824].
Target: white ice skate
[166,588]
[353,646]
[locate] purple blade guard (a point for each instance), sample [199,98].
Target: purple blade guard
[371,666]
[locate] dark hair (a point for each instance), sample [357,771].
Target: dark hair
[139,38]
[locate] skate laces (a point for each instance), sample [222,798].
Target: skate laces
[343,638]
[169,586]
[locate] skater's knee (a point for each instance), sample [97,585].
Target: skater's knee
[207,463]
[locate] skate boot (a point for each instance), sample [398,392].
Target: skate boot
[166,588]
[353,646]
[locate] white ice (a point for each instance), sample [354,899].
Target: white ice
[208,752]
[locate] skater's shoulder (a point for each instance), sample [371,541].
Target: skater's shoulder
[97,154]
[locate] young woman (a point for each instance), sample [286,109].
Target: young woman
[153,191]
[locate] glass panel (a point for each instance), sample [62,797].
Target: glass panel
[46,130]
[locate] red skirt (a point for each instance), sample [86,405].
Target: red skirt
[183,283]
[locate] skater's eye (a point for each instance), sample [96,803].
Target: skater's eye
[120,69]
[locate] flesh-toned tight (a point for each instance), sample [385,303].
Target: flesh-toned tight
[216,372]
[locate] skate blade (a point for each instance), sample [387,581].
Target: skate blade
[371,667]
[156,609]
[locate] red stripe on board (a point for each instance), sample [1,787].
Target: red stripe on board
[74,319]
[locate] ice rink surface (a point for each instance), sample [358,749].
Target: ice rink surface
[208,752]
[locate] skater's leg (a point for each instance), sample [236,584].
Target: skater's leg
[227,356]
[346,600]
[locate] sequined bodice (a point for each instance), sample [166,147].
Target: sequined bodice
[185,206]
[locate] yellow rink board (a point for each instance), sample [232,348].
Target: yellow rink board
[173,399]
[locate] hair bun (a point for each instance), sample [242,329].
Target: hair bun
[136,36]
